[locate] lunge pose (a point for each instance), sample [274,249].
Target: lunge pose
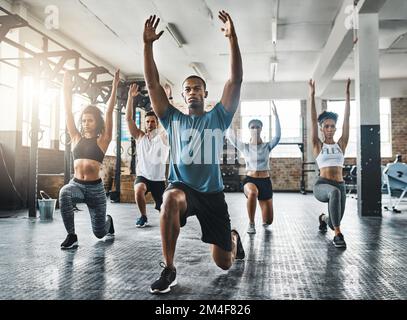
[89,144]
[152,153]
[257,184]
[329,154]
[196,141]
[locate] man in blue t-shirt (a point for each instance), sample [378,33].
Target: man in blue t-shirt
[196,141]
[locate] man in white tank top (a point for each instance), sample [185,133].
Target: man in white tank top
[152,153]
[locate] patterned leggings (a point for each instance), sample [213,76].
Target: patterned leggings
[93,194]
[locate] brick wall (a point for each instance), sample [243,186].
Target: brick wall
[399,127]
[286,173]
[398,132]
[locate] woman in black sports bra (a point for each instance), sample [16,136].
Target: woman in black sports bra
[89,145]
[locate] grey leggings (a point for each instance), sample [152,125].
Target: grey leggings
[93,194]
[335,194]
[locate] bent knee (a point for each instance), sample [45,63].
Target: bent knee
[65,191]
[99,234]
[252,194]
[171,198]
[268,221]
[224,265]
[140,190]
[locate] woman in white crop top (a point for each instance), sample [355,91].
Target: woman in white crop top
[257,184]
[329,155]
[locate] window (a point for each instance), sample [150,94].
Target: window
[385,126]
[48,102]
[8,89]
[289,112]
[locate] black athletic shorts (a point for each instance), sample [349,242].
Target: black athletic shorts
[156,188]
[211,210]
[263,185]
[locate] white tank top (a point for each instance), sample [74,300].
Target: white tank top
[152,157]
[331,155]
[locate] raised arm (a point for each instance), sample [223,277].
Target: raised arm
[134,131]
[107,135]
[157,94]
[316,142]
[168,92]
[343,140]
[231,92]
[70,122]
[277,137]
[230,135]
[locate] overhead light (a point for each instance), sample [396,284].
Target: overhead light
[274,30]
[175,34]
[275,6]
[273,69]
[200,70]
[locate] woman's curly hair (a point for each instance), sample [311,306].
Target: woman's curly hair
[98,115]
[327,115]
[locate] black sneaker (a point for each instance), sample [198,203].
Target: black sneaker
[322,224]
[111,229]
[240,251]
[142,222]
[70,242]
[339,241]
[166,280]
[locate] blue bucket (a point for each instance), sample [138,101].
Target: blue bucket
[46,206]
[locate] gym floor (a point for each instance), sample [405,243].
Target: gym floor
[289,260]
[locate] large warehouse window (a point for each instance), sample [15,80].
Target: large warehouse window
[385,126]
[8,89]
[46,109]
[289,112]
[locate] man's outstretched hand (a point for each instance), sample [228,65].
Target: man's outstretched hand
[228,28]
[150,35]
[134,90]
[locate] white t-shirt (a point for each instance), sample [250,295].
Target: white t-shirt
[152,155]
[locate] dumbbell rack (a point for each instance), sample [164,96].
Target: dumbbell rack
[230,168]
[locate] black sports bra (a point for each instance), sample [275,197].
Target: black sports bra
[88,149]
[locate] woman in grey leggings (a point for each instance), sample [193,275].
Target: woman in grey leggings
[89,147]
[329,154]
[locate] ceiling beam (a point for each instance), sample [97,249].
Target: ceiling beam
[370,6]
[8,22]
[340,42]
[336,50]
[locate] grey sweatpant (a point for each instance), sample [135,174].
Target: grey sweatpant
[334,193]
[91,193]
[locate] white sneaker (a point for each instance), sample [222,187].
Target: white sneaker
[251,229]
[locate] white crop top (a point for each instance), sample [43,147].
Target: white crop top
[256,155]
[331,155]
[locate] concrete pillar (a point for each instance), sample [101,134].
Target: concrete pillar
[35,126]
[55,122]
[367,92]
